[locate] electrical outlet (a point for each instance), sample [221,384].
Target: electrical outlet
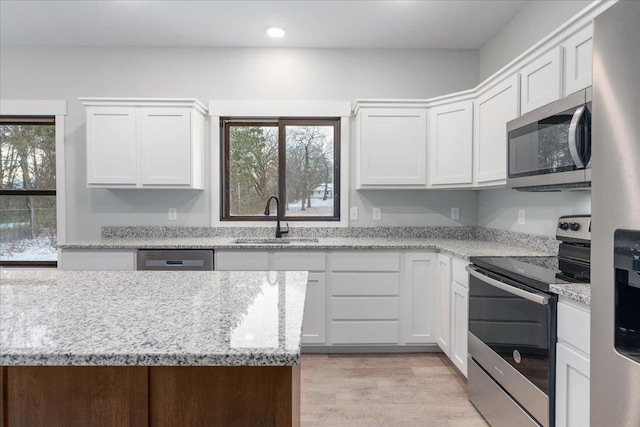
[377,214]
[173,214]
[455,213]
[521,216]
[353,213]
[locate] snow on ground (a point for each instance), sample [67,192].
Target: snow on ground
[318,207]
[38,249]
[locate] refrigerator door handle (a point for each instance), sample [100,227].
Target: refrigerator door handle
[574,131]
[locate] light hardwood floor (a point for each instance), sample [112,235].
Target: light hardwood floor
[384,390]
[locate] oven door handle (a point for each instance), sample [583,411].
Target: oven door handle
[537,298]
[574,131]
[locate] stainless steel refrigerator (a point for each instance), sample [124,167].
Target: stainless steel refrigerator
[615,264]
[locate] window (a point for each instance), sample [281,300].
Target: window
[28,226]
[294,159]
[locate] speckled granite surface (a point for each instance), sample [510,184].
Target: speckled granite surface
[544,244]
[580,292]
[149,318]
[455,247]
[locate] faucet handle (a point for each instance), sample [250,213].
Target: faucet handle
[285,231]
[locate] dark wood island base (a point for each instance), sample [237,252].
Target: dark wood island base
[119,396]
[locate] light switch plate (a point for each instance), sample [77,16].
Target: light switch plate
[173,214]
[521,216]
[353,213]
[455,213]
[377,214]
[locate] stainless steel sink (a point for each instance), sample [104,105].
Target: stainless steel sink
[274,241]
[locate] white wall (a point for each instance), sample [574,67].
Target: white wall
[499,209]
[213,73]
[534,21]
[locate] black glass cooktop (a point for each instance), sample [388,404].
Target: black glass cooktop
[537,272]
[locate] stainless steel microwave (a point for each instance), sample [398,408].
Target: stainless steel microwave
[549,148]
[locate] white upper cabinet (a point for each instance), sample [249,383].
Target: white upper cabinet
[494,108]
[541,81]
[164,146]
[145,143]
[450,144]
[111,155]
[578,60]
[391,148]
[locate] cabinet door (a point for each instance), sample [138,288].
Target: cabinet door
[459,326]
[98,259]
[541,81]
[578,60]
[313,326]
[444,304]
[450,144]
[241,260]
[494,108]
[572,387]
[420,306]
[393,147]
[164,141]
[111,146]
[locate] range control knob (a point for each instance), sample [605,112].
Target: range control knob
[574,226]
[563,225]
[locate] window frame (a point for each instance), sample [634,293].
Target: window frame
[281,123]
[30,110]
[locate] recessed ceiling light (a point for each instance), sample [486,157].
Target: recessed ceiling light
[275,32]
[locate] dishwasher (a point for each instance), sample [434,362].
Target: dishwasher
[175,259]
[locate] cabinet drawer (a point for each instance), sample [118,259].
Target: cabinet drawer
[359,284]
[290,260]
[459,273]
[574,325]
[364,308]
[365,261]
[241,260]
[98,260]
[364,332]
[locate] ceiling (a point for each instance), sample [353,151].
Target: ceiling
[463,24]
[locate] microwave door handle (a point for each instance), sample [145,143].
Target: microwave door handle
[574,131]
[537,298]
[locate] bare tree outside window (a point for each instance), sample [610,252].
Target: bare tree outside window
[27,191]
[253,168]
[309,170]
[297,160]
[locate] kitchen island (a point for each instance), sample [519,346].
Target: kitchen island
[150,348]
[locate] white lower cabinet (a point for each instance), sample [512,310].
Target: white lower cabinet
[444,304]
[572,364]
[453,309]
[459,325]
[98,259]
[313,326]
[365,297]
[420,303]
[572,387]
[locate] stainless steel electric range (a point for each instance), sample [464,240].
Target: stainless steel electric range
[512,327]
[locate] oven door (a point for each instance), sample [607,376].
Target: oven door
[512,334]
[550,145]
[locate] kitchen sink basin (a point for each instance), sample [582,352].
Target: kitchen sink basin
[274,241]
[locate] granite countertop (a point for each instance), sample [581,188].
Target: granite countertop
[150,318]
[462,248]
[580,292]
